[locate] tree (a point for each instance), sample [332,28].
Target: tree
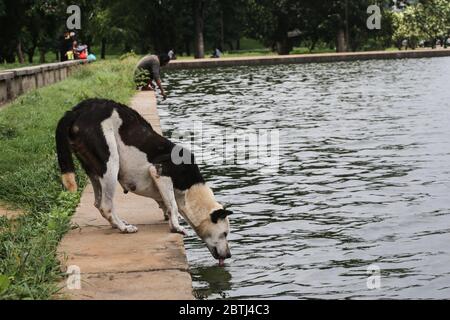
[104,29]
[12,17]
[432,18]
[425,20]
[270,21]
[198,7]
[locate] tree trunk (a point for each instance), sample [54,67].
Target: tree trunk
[41,56]
[30,54]
[313,45]
[20,55]
[222,32]
[103,50]
[199,23]
[340,41]
[238,44]
[347,32]
[284,46]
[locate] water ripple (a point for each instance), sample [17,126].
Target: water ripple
[364,178]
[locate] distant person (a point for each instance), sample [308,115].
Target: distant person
[216,53]
[172,55]
[91,57]
[80,51]
[148,70]
[65,46]
[405,44]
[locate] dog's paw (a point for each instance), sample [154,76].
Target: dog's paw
[129,228]
[179,230]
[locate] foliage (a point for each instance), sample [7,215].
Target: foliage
[426,20]
[30,179]
[158,26]
[141,77]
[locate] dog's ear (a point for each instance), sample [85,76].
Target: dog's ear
[220,214]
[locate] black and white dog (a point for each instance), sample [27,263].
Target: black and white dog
[115,144]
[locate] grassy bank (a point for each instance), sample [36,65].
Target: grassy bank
[49,58]
[29,177]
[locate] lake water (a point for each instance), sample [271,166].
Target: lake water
[363,179]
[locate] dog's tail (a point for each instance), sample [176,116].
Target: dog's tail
[65,159]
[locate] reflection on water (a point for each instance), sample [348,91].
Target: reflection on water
[211,280]
[364,178]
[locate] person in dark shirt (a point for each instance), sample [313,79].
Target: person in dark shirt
[65,45]
[148,70]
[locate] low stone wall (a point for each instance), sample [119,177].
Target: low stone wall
[14,82]
[306,58]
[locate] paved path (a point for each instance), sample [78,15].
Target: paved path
[150,264]
[9,213]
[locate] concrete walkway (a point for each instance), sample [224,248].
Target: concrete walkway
[9,213]
[150,264]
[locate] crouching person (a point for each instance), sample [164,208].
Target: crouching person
[148,70]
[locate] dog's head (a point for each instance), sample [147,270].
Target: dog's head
[207,217]
[214,233]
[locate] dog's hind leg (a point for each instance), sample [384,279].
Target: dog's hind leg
[103,207]
[163,207]
[108,185]
[97,190]
[165,187]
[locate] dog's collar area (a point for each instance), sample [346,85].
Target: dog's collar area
[201,228]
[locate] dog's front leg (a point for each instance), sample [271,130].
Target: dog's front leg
[165,187]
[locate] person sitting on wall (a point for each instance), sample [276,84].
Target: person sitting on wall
[216,53]
[172,55]
[148,70]
[80,51]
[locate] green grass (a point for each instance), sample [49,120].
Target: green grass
[250,44]
[304,50]
[49,57]
[30,179]
[235,54]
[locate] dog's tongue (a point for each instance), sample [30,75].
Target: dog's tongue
[221,262]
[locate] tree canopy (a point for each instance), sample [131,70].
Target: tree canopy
[195,26]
